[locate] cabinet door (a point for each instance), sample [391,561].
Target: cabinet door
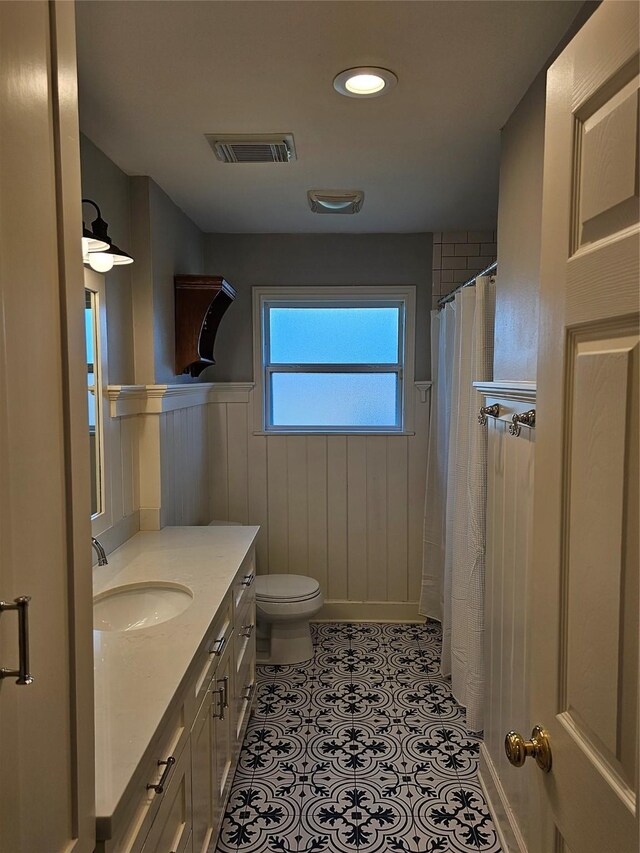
[223,731]
[245,670]
[203,795]
[171,829]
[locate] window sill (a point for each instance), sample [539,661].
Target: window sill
[361,434]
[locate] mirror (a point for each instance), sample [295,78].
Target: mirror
[94,385]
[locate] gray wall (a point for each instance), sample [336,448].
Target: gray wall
[247,260]
[176,247]
[519,231]
[108,186]
[140,297]
[520,224]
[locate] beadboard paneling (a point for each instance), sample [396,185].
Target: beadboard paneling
[157,456]
[344,509]
[184,472]
[510,461]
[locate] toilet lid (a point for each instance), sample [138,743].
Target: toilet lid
[286,587]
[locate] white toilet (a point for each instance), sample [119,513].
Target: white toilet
[284,606]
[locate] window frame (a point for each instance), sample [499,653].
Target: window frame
[331,297]
[95,282]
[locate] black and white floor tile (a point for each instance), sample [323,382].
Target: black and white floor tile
[363,748]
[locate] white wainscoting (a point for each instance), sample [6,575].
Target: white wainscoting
[156,459]
[510,461]
[184,466]
[346,510]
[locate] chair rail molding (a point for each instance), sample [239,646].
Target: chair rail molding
[231,392]
[521,392]
[127,400]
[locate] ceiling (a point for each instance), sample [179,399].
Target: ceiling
[155,77]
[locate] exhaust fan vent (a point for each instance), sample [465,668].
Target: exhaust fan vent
[253,148]
[335,201]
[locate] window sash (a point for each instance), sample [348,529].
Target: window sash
[329,368]
[268,304]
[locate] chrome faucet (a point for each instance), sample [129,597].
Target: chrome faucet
[102,557]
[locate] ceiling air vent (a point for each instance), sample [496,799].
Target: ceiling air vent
[253,148]
[335,201]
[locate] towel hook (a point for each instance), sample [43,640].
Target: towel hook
[494,411]
[526,418]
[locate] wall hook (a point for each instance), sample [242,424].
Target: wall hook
[493,411]
[526,418]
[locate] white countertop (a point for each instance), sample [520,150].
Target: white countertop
[137,673]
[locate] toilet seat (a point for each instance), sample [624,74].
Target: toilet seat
[286,588]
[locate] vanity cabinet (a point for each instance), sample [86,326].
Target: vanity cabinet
[202,736]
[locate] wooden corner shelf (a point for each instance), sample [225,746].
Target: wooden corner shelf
[200,302]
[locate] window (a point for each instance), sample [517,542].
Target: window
[333,359]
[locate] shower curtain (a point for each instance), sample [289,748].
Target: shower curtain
[455,500]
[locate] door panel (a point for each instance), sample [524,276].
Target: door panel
[585,560]
[598,701]
[46,728]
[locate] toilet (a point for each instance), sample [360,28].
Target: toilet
[284,606]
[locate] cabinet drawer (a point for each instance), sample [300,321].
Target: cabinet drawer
[170,831]
[146,801]
[245,633]
[243,583]
[218,638]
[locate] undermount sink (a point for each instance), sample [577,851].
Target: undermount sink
[139,605]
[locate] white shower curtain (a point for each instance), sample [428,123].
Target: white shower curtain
[455,501]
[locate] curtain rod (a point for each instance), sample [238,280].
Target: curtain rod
[449,297]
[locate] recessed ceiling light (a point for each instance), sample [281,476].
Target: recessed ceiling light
[365,82]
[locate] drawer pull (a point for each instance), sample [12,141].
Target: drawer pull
[249,692]
[218,712]
[247,630]
[248,579]
[225,686]
[218,646]
[159,788]
[223,698]
[21,674]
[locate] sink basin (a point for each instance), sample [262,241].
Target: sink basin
[139,605]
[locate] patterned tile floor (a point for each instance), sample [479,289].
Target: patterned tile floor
[362,748]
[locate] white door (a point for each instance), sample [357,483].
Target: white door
[584,594]
[46,727]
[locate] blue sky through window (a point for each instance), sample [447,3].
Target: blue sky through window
[334,399]
[334,335]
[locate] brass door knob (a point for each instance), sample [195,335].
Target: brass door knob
[518,749]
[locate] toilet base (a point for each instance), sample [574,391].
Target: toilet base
[290,643]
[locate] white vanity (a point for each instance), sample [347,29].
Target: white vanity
[172,697]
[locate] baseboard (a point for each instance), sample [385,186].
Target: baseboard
[504,820]
[369,611]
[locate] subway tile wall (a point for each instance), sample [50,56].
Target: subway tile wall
[458,256]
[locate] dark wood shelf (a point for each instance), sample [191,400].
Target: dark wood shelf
[200,301]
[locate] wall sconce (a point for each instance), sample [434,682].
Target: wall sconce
[98,250]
